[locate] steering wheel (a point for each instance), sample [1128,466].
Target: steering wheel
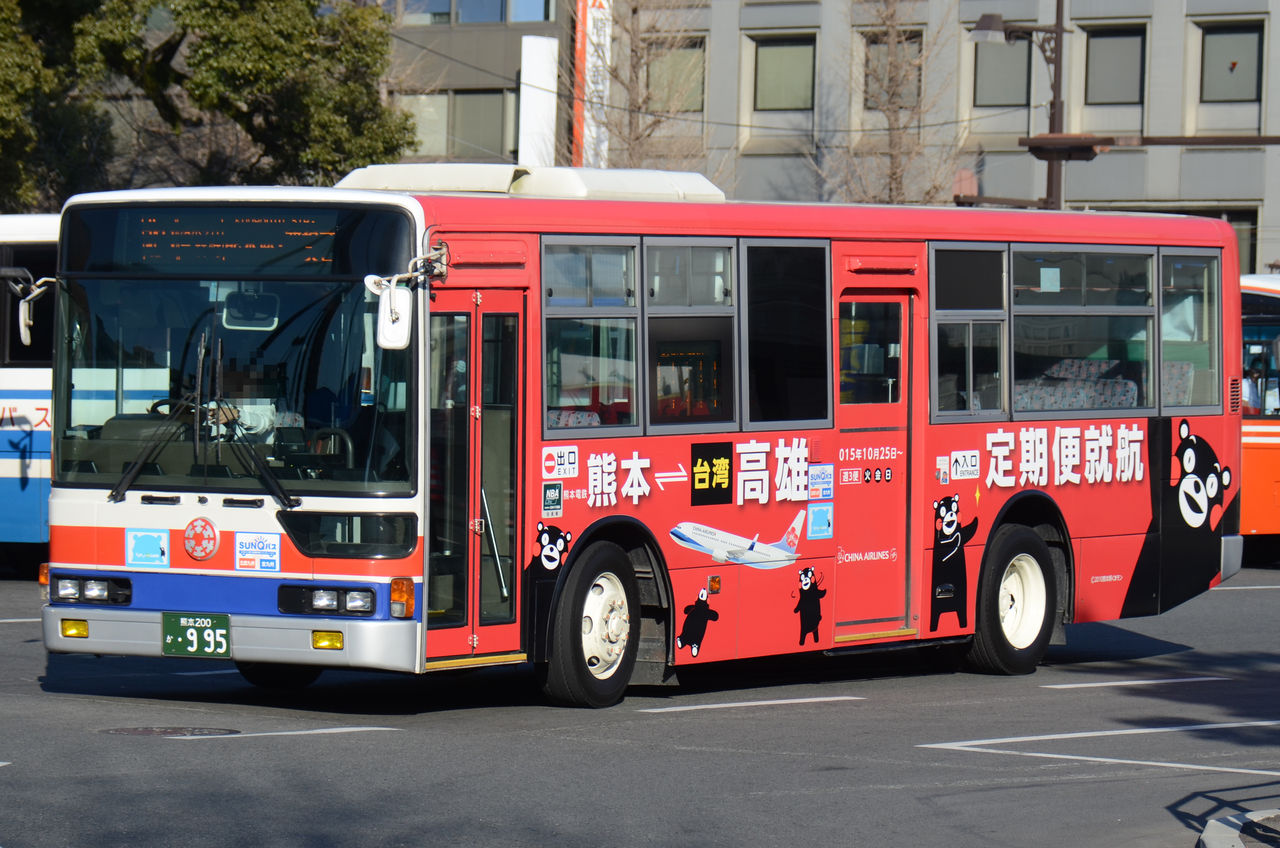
[181,406]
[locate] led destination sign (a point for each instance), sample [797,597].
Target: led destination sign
[242,240]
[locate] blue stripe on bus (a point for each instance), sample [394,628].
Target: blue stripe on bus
[176,592]
[15,443]
[25,515]
[110,394]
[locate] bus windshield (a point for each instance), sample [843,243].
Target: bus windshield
[173,382]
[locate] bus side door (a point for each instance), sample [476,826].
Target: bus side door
[474,402]
[874,355]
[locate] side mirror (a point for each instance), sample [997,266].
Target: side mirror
[25,321]
[395,318]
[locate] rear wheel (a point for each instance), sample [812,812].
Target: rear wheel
[1017,597]
[596,631]
[278,675]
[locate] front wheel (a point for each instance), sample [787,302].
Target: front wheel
[596,631]
[1016,602]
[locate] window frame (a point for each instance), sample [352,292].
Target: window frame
[669,312]
[1022,44]
[744,349]
[783,40]
[1083,310]
[1216,349]
[873,38]
[692,42]
[634,312]
[1257,28]
[969,317]
[1119,31]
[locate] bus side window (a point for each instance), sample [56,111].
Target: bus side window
[870,352]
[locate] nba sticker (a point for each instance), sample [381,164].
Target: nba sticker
[257,551]
[146,548]
[552,500]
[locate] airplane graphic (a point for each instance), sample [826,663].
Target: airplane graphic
[724,546]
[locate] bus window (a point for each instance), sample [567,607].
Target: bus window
[1189,331]
[690,332]
[592,315]
[870,352]
[788,365]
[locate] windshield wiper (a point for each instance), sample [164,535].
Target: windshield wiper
[165,433]
[266,476]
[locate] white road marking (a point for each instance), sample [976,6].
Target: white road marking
[1155,682]
[18,620]
[1240,588]
[736,704]
[319,732]
[983,746]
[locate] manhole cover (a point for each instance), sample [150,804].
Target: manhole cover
[172,731]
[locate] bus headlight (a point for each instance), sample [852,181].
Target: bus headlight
[96,590]
[359,601]
[68,588]
[324,599]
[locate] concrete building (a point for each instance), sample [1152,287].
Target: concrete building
[802,100]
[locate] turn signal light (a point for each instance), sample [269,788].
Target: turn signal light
[402,597]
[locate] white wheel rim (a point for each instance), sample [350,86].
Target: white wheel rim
[606,625]
[1022,601]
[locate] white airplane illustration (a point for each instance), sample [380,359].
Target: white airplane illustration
[724,546]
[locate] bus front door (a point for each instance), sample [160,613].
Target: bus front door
[474,395]
[871,479]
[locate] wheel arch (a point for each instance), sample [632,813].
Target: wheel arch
[1039,512]
[652,581]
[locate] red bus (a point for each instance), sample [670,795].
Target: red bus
[1260,397]
[611,425]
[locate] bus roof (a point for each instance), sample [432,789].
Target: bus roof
[1260,284]
[28,229]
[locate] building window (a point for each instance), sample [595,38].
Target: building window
[1114,67]
[474,125]
[1001,75]
[676,76]
[784,74]
[430,114]
[1231,64]
[893,70]
[421,12]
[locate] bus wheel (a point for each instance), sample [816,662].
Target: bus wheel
[278,675]
[596,631]
[1017,597]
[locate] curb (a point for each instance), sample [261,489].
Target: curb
[1261,828]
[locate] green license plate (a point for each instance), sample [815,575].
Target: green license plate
[195,634]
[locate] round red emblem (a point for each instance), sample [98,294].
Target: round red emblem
[200,539]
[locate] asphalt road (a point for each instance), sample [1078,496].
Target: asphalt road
[1134,734]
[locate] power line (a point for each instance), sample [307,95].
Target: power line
[680,117]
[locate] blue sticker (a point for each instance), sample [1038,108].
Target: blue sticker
[821,521]
[146,548]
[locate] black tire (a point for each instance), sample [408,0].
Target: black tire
[1017,598]
[279,676]
[596,631]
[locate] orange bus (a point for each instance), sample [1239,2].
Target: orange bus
[1260,398]
[609,424]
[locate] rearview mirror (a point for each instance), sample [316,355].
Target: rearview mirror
[395,318]
[250,311]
